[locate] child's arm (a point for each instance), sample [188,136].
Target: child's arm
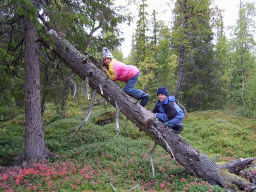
[110,71]
[154,110]
[104,69]
[170,112]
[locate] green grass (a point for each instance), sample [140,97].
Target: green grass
[215,132]
[96,157]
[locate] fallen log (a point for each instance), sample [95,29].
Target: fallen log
[237,165]
[193,160]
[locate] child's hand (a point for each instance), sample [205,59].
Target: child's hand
[104,69]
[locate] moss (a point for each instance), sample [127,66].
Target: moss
[105,118]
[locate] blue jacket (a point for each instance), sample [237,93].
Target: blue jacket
[168,112]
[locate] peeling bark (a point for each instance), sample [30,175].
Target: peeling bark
[192,159]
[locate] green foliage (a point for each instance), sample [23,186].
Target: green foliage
[192,37]
[11,139]
[141,39]
[96,156]
[7,113]
[147,69]
[242,61]
[167,62]
[10,147]
[78,22]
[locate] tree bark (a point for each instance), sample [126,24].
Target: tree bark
[192,159]
[180,73]
[35,148]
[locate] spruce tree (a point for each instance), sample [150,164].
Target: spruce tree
[76,20]
[192,41]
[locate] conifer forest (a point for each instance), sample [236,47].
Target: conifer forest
[51,72]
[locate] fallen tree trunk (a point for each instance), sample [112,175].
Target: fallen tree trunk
[192,159]
[238,165]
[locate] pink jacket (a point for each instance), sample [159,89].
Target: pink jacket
[119,71]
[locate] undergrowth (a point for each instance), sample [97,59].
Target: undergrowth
[96,158]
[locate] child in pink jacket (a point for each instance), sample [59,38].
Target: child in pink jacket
[129,74]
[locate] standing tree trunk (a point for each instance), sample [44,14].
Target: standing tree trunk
[182,52]
[180,73]
[193,160]
[35,148]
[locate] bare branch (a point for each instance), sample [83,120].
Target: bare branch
[74,88]
[113,187]
[89,113]
[134,187]
[151,159]
[117,119]
[135,126]
[87,88]
[166,144]
[184,108]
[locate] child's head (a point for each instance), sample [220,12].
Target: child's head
[162,93]
[106,55]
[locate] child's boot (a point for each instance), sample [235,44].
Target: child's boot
[144,99]
[177,129]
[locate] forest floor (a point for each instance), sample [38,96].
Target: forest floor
[96,158]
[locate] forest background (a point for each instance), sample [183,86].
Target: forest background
[192,57]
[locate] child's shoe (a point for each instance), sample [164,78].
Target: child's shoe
[144,99]
[177,129]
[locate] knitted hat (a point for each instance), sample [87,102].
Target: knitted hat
[163,90]
[106,53]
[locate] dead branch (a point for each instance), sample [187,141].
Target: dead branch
[135,187]
[87,88]
[117,119]
[113,187]
[184,108]
[74,93]
[89,113]
[151,159]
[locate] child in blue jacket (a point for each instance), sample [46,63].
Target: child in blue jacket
[167,111]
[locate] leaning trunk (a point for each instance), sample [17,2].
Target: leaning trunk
[193,160]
